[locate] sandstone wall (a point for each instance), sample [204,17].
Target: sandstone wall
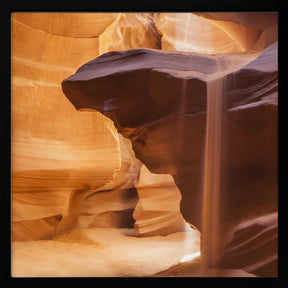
[75,169]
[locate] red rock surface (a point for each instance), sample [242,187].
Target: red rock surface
[134,154]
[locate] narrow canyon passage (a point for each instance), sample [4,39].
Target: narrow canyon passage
[146,149]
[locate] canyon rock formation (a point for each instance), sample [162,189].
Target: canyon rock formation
[133,155]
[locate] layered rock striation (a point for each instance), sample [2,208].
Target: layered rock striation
[135,154]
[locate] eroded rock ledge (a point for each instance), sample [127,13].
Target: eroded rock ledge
[157,99]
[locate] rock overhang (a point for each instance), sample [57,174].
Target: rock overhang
[151,84]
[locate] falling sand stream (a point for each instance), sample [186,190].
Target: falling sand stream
[211,248]
[211,242]
[211,236]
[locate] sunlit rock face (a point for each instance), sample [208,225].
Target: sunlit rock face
[53,170]
[253,31]
[213,33]
[157,210]
[202,35]
[52,154]
[132,157]
[128,31]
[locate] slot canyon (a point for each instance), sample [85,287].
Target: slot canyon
[144,144]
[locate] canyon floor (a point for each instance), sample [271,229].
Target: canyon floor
[112,252]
